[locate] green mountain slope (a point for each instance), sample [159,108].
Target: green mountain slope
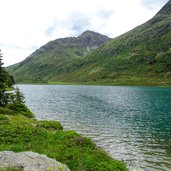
[53,58]
[141,56]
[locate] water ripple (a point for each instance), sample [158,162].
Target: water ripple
[131,123]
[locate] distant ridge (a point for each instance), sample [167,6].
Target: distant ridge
[141,56]
[53,58]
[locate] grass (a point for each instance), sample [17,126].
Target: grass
[21,133]
[132,81]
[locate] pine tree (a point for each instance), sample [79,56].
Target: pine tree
[6,81]
[1,63]
[2,86]
[18,97]
[14,101]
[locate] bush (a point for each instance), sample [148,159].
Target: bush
[22,108]
[3,118]
[50,125]
[6,111]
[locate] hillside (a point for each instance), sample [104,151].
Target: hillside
[53,58]
[141,56]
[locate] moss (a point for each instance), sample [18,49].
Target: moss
[21,133]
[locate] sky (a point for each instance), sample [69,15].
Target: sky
[26,25]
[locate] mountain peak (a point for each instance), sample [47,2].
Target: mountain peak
[92,38]
[89,33]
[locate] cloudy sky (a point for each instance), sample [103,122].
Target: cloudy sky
[28,24]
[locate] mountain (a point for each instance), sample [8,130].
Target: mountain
[141,56]
[52,59]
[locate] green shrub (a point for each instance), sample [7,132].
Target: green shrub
[22,108]
[6,111]
[50,125]
[3,118]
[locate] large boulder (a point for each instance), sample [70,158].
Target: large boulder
[30,161]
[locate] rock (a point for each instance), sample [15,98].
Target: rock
[30,161]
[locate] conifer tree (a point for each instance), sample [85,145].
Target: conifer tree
[1,72]
[6,81]
[18,97]
[2,83]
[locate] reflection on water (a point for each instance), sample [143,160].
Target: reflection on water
[132,123]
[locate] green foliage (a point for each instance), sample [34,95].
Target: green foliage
[7,111]
[6,82]
[47,137]
[50,125]
[3,97]
[22,108]
[18,97]
[3,118]
[14,102]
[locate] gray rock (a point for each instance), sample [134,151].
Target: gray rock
[30,161]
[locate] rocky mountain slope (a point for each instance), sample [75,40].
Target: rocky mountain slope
[52,59]
[141,56]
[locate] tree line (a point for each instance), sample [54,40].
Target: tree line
[11,97]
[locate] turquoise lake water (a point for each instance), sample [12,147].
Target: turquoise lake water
[131,123]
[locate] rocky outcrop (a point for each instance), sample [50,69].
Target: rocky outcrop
[29,161]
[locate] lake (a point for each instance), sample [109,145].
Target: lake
[131,123]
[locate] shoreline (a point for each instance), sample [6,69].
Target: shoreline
[21,133]
[96,84]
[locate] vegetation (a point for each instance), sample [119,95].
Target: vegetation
[141,56]
[19,131]
[6,82]
[8,99]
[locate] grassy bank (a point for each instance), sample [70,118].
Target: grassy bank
[119,82]
[133,81]
[21,132]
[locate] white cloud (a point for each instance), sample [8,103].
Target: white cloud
[28,24]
